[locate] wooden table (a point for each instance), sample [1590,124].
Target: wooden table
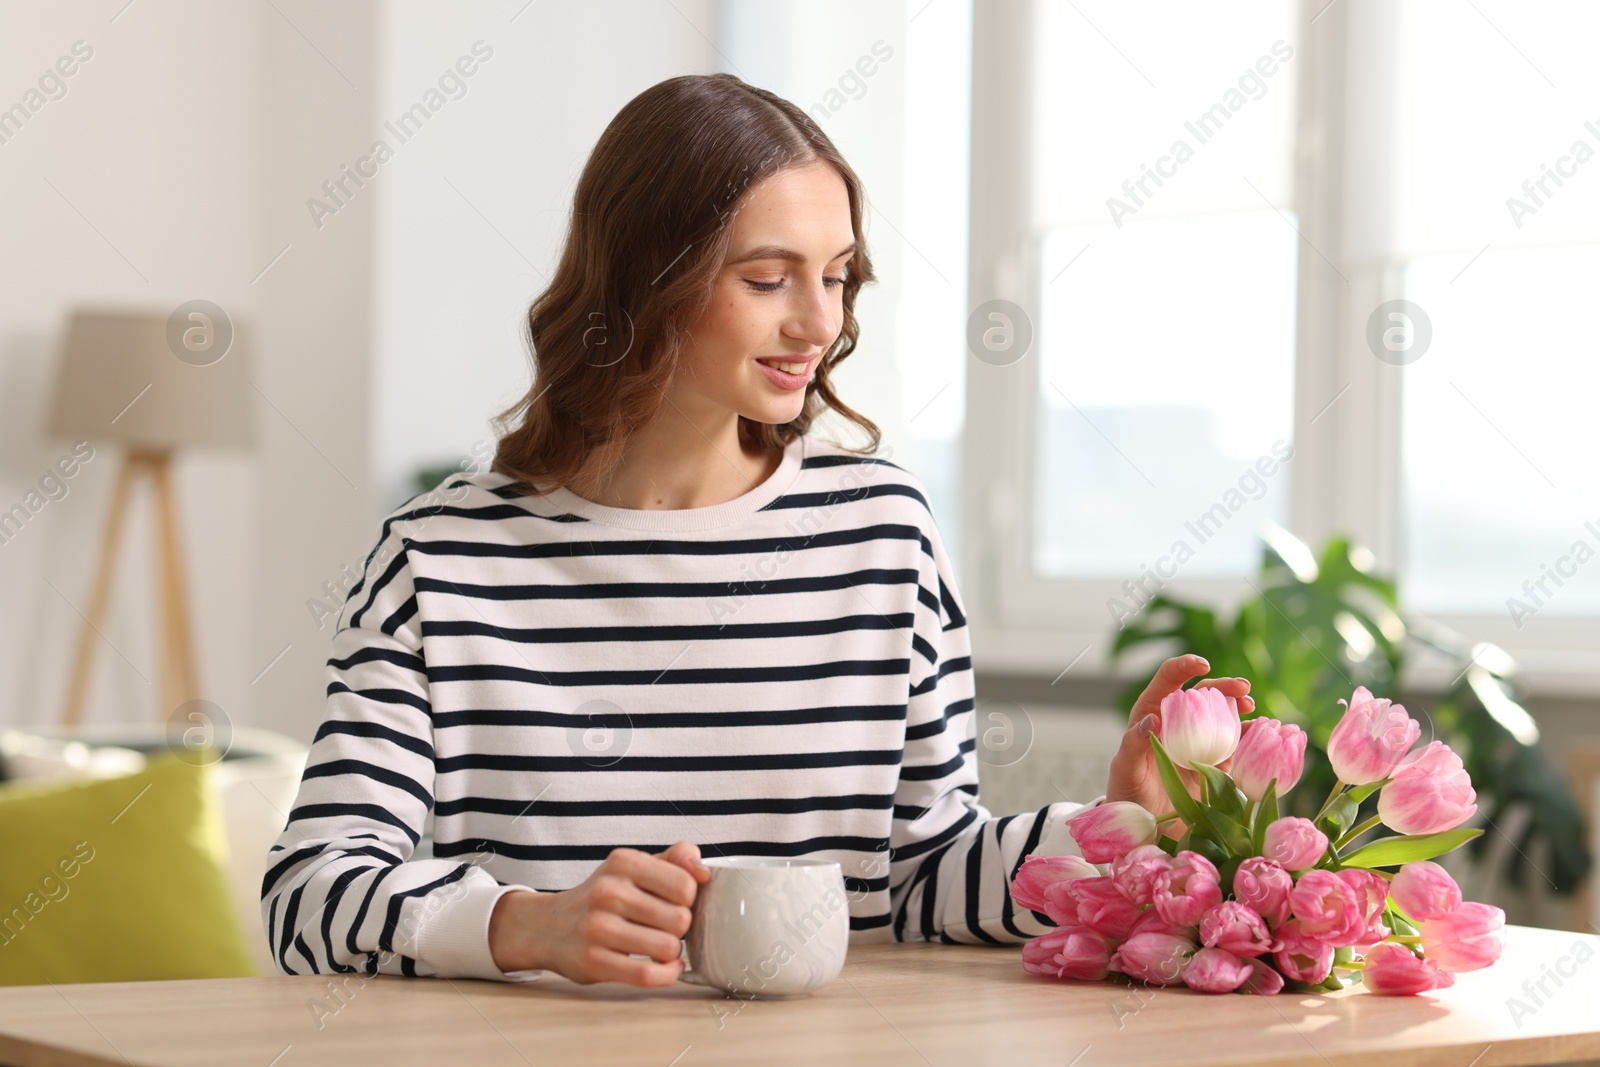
[894,1004]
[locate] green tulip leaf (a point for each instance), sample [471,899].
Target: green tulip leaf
[1226,872]
[1407,849]
[1266,815]
[1182,802]
[1340,817]
[1295,986]
[1362,792]
[1206,846]
[1221,793]
[1229,833]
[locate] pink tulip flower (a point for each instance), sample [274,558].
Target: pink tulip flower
[1237,929]
[1268,749]
[1059,903]
[1073,952]
[1328,909]
[1394,970]
[1107,831]
[1470,937]
[1102,907]
[1187,890]
[1158,959]
[1135,872]
[1431,792]
[1425,890]
[1371,892]
[1039,953]
[1038,872]
[1294,843]
[1263,980]
[1301,956]
[1199,725]
[1371,739]
[1215,970]
[1264,886]
[1151,922]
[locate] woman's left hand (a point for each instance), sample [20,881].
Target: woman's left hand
[1133,769]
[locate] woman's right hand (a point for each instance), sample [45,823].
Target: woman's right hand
[634,902]
[1134,776]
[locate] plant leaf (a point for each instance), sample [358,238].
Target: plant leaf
[1402,849]
[1297,986]
[1226,872]
[1207,846]
[1222,794]
[1230,833]
[1182,802]
[1362,792]
[1266,815]
[1341,816]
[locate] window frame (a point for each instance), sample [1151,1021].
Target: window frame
[1346,471]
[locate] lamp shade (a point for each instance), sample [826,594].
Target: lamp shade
[153,381]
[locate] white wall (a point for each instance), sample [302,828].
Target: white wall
[140,187]
[384,334]
[314,111]
[190,143]
[801,53]
[889,83]
[474,208]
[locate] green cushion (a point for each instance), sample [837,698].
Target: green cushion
[116,880]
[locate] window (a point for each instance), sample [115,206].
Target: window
[1498,503]
[890,85]
[1152,419]
[1370,232]
[929,320]
[1140,215]
[1497,228]
[1162,191]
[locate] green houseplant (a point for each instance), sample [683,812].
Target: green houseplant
[1316,627]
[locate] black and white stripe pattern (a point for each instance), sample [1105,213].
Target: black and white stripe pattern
[787,673]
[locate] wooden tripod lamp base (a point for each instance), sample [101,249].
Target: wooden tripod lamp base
[178,682]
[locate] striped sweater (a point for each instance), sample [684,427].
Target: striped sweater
[546,679]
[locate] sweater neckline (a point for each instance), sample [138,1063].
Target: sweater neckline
[680,520]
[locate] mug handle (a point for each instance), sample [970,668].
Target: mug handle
[689,974]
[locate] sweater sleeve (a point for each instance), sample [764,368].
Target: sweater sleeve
[342,892]
[951,861]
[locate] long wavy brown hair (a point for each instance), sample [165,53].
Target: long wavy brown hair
[648,235]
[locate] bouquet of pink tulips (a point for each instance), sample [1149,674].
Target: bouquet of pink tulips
[1248,901]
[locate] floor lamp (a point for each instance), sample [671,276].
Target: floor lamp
[152,384]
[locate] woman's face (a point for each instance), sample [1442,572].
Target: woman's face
[779,298]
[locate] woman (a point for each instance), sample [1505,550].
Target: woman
[669,618]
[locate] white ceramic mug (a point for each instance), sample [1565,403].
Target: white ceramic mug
[768,926]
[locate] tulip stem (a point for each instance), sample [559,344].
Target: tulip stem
[1357,832]
[1405,939]
[1338,787]
[1349,965]
[1168,817]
